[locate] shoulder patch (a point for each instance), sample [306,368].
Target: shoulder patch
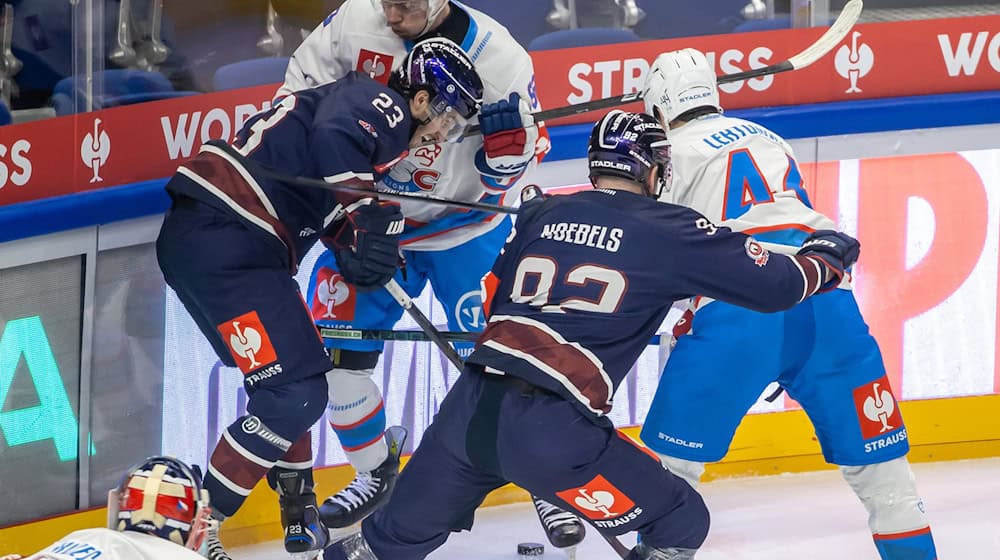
[756,252]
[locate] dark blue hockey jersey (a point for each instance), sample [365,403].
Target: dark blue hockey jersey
[349,131]
[586,279]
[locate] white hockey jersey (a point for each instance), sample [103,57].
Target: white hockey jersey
[356,37]
[741,175]
[106,544]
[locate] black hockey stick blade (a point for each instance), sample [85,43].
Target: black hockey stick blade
[831,38]
[413,336]
[384,334]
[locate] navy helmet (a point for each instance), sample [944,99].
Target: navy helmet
[628,146]
[442,68]
[162,497]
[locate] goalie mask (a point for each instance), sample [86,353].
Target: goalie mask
[162,497]
[630,146]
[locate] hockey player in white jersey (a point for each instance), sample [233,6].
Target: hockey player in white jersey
[452,249]
[742,175]
[158,512]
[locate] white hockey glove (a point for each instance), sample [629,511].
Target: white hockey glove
[509,137]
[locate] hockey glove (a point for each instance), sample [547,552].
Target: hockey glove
[509,136]
[838,251]
[532,201]
[367,247]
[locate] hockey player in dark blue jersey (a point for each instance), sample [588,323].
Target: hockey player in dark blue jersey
[580,286]
[234,237]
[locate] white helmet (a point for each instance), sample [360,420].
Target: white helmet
[678,82]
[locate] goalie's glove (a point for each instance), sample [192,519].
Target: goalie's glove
[509,137]
[838,251]
[367,246]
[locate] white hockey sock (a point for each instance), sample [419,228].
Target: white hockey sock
[356,413]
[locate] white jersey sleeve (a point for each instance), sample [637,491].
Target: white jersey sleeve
[355,37]
[742,175]
[105,544]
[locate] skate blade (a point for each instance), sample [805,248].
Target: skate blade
[307,555]
[338,534]
[570,552]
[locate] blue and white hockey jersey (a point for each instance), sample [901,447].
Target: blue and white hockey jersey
[356,37]
[586,280]
[350,131]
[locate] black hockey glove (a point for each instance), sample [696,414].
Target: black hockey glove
[367,246]
[838,251]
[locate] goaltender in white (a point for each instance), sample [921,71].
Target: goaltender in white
[158,512]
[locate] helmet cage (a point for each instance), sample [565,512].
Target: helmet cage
[162,497]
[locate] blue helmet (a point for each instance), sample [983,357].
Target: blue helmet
[628,146]
[162,497]
[442,68]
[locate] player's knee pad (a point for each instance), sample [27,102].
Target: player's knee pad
[889,493]
[690,471]
[291,408]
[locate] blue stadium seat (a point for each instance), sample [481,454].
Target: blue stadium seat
[114,88]
[5,116]
[779,22]
[670,19]
[525,19]
[583,37]
[248,73]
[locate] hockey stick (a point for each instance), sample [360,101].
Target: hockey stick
[384,334]
[412,336]
[262,171]
[404,301]
[836,33]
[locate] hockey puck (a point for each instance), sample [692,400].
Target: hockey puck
[530,549]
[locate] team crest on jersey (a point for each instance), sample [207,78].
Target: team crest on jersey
[333,299]
[756,251]
[598,499]
[878,411]
[405,176]
[248,342]
[368,128]
[376,65]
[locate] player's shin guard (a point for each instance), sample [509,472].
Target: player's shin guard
[355,409]
[895,511]
[252,444]
[292,478]
[369,490]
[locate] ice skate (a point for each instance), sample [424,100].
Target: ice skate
[305,534]
[562,528]
[213,546]
[368,490]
